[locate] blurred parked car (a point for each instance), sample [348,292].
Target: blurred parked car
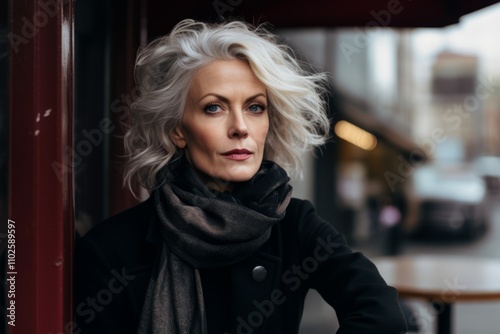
[488,168]
[450,201]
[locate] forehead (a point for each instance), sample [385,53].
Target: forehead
[225,75]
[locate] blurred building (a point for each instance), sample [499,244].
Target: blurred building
[454,111]
[372,153]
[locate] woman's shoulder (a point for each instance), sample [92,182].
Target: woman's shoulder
[299,205]
[301,211]
[132,219]
[305,222]
[123,233]
[301,219]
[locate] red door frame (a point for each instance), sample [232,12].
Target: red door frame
[40,163]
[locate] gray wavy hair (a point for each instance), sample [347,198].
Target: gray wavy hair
[297,108]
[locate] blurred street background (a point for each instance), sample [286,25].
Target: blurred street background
[469,317]
[415,163]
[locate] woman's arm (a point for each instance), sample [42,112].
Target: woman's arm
[347,280]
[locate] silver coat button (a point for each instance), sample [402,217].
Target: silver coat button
[259,273]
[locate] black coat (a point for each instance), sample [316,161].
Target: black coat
[262,294]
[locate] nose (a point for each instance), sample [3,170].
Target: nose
[238,126]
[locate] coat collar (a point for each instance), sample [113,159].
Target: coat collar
[153,235]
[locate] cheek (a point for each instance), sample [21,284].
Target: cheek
[262,136]
[202,139]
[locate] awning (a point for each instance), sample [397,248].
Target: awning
[321,13]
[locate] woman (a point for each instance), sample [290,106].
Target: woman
[220,246]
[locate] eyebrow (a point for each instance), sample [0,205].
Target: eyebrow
[226,100]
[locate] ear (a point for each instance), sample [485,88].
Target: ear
[177,137]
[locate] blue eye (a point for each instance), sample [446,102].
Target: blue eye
[256,108]
[212,108]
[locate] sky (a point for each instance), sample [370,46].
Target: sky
[475,34]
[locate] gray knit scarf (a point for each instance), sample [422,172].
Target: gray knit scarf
[203,228]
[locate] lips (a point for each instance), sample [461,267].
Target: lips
[238,154]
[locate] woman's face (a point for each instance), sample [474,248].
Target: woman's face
[225,123]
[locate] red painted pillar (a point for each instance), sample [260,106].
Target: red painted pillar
[40,164]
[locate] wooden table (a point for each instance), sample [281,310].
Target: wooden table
[442,280]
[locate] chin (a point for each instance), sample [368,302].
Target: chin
[241,173]
[225,181]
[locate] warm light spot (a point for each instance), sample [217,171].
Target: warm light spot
[355,135]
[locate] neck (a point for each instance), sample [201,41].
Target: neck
[214,183]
